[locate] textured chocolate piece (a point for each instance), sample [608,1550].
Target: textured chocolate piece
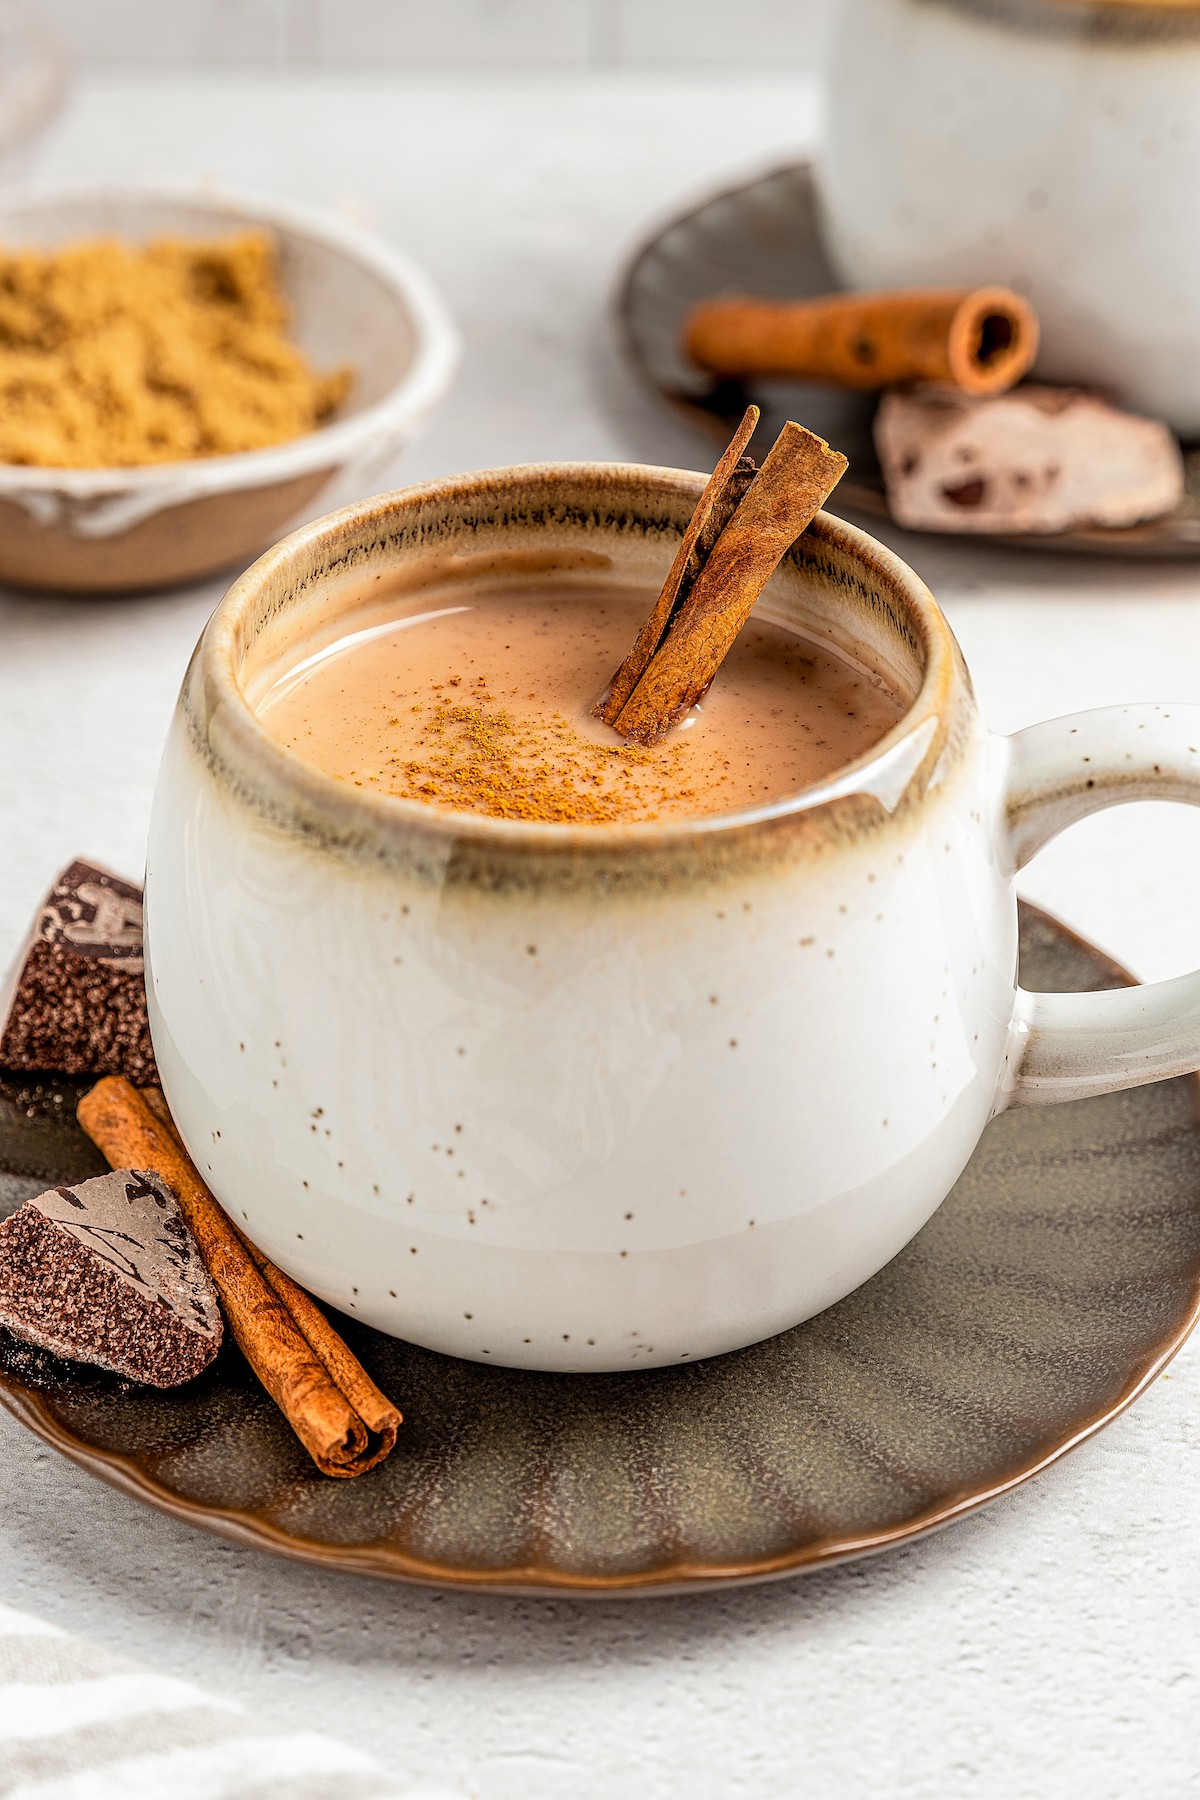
[1037,459]
[108,1273]
[75,1001]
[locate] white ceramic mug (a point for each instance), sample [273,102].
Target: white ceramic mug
[1050,144]
[601,1097]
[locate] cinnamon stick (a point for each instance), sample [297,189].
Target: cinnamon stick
[982,340]
[716,506]
[344,1422]
[798,474]
[373,1407]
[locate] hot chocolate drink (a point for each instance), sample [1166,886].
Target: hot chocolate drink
[480,698]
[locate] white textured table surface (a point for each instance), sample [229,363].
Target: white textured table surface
[1046,1647]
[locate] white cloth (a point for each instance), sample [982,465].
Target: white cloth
[77,1723]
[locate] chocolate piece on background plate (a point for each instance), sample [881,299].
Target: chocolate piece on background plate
[109,1273]
[75,999]
[1036,459]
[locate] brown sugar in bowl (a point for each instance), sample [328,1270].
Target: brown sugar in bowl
[353,300]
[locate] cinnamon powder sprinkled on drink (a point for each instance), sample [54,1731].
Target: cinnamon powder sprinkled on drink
[478,697]
[476,756]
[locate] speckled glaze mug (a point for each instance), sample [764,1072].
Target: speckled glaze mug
[1052,145]
[602,1097]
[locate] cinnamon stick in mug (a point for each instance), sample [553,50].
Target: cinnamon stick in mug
[343,1420]
[798,474]
[716,506]
[982,340]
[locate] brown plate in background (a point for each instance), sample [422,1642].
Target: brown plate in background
[1043,1296]
[762,237]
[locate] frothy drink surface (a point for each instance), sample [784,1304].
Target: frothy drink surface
[480,700]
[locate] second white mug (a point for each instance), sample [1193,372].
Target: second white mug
[1046,144]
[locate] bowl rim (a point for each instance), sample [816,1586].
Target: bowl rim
[435,357]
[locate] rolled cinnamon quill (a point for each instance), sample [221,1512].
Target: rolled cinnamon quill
[982,340]
[716,506]
[343,1420]
[744,524]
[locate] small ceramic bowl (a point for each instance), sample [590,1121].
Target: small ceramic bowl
[354,300]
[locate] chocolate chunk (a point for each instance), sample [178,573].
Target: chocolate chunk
[75,1000]
[108,1273]
[1038,459]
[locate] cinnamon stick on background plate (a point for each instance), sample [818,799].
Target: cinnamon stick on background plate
[982,340]
[343,1420]
[699,621]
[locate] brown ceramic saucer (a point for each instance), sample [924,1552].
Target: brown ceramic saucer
[1044,1295]
[762,237]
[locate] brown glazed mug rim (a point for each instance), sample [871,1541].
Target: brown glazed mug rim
[1108,23]
[246,759]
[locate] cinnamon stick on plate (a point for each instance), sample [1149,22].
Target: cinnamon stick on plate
[981,340]
[700,618]
[344,1422]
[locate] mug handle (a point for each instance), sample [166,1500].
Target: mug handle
[1067,1046]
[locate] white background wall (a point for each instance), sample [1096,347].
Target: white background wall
[435,33]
